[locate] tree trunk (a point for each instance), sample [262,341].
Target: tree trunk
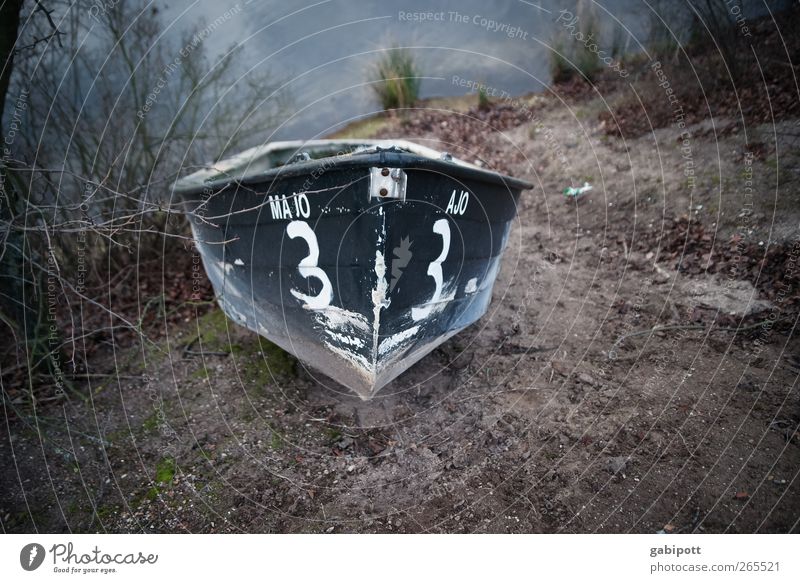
[11,265]
[9,27]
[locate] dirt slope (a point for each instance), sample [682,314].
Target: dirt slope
[540,418]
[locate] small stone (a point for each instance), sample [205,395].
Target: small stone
[617,464]
[344,443]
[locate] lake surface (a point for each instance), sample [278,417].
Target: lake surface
[323,51]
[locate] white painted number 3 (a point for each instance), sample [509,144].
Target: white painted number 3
[442,227]
[308,266]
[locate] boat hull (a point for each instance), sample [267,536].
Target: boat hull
[357,282]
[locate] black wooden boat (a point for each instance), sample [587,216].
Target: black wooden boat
[358,257]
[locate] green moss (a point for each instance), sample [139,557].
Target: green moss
[23,521]
[213,333]
[165,471]
[118,437]
[272,364]
[276,442]
[333,434]
[165,474]
[106,512]
[259,361]
[150,423]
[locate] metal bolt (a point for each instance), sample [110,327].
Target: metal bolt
[385,172]
[383,191]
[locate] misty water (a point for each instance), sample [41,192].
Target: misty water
[322,51]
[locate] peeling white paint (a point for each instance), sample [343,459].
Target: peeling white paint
[398,339]
[238,262]
[433,307]
[225,266]
[232,312]
[339,318]
[346,332]
[344,339]
[472,286]
[379,300]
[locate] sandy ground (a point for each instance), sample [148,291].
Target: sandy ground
[539,418]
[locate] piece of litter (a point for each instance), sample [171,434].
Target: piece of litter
[572,191]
